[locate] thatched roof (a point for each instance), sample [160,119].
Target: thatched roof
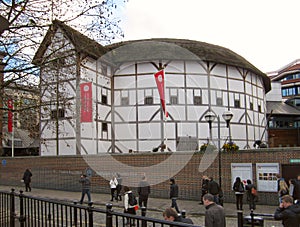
[82,43]
[168,49]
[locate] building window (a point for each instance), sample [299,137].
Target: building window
[60,114]
[251,106]
[197,100]
[148,100]
[174,100]
[124,101]
[104,127]
[237,103]
[104,99]
[259,108]
[219,101]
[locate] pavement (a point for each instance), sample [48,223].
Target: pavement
[192,208]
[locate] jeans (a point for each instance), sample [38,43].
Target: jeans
[174,204]
[85,191]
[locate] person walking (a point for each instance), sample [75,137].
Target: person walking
[113,188]
[86,187]
[143,191]
[251,197]
[204,187]
[128,207]
[239,189]
[283,189]
[288,212]
[119,187]
[174,192]
[214,189]
[214,214]
[27,179]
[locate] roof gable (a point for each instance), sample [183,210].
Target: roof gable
[82,43]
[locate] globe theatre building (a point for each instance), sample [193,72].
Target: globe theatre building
[99,99]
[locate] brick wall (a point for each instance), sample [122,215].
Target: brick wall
[63,172]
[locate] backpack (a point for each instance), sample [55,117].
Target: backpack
[241,188]
[131,199]
[253,191]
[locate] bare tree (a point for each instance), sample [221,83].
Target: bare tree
[28,21]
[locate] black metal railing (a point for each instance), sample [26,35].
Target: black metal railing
[17,209]
[254,219]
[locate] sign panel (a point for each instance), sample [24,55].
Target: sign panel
[266,176]
[242,170]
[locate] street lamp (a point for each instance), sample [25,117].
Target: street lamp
[210,117]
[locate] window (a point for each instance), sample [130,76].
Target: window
[104,99]
[60,114]
[174,100]
[237,103]
[124,101]
[251,106]
[148,100]
[197,100]
[219,101]
[104,127]
[259,108]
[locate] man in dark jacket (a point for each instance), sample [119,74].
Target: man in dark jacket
[214,189]
[288,212]
[204,187]
[174,191]
[214,214]
[86,187]
[27,179]
[143,191]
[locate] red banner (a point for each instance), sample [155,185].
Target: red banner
[160,82]
[10,105]
[86,102]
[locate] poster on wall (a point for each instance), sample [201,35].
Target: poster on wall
[266,176]
[242,170]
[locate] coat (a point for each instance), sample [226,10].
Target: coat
[214,216]
[290,216]
[27,176]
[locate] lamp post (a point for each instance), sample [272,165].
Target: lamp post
[209,117]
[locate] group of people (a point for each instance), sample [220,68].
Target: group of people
[239,187]
[209,185]
[289,202]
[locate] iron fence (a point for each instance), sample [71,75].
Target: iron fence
[17,209]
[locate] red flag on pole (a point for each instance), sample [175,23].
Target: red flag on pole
[10,115]
[160,82]
[86,102]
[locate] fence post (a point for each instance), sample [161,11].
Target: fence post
[75,213]
[144,222]
[252,218]
[109,215]
[90,211]
[22,216]
[183,213]
[12,208]
[240,218]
